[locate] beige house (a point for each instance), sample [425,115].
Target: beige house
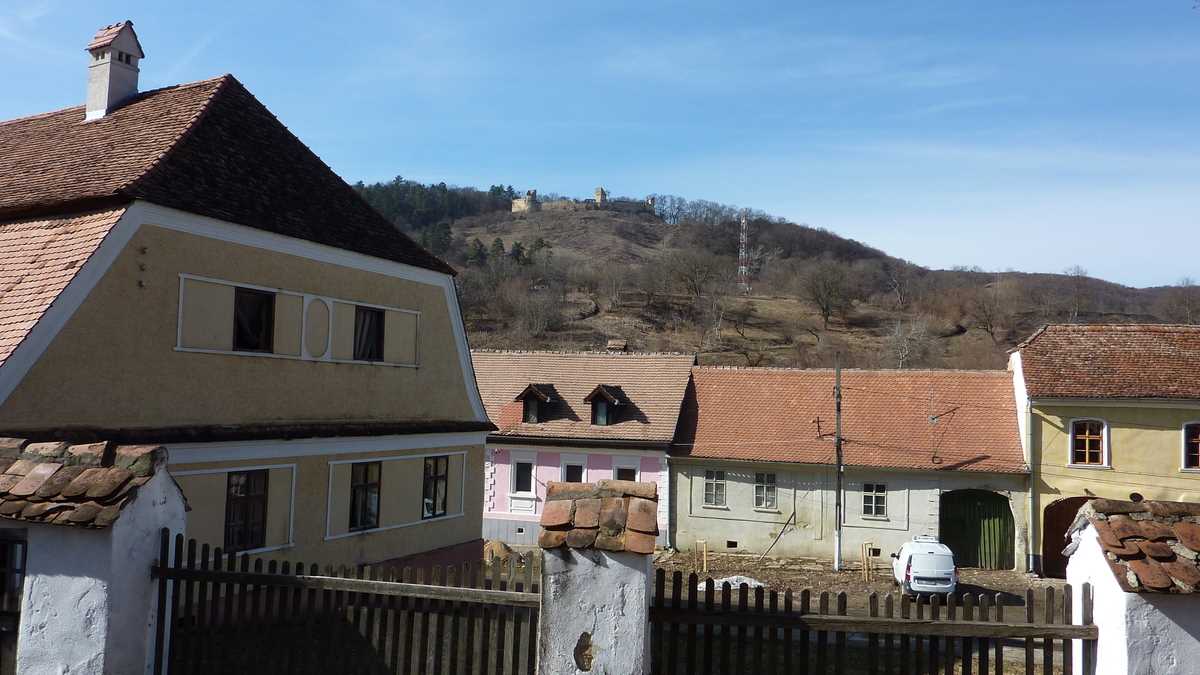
[925,452]
[177,268]
[1107,411]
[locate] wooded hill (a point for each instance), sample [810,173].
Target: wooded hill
[664,278]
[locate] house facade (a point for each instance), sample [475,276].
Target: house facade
[925,452]
[575,417]
[1106,411]
[177,268]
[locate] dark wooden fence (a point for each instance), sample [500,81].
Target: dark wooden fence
[721,630]
[227,613]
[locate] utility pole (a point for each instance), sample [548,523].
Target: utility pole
[837,451]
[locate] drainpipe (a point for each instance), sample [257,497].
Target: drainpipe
[1030,516]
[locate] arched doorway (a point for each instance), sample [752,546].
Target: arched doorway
[1057,517]
[978,526]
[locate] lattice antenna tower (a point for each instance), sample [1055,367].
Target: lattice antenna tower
[743,272]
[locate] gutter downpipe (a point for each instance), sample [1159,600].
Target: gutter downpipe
[1030,516]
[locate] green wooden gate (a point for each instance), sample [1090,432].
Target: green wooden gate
[978,526]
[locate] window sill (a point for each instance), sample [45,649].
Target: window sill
[761,510]
[1091,467]
[877,519]
[714,507]
[1194,469]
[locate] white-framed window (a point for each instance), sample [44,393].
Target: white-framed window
[626,468]
[874,500]
[573,469]
[522,476]
[522,483]
[714,487]
[1191,446]
[764,491]
[1088,443]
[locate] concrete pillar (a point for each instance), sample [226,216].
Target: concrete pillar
[596,578]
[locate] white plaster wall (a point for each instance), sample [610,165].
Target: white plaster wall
[1087,565]
[65,607]
[89,601]
[133,608]
[601,593]
[1162,633]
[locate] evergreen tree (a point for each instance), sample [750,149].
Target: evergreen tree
[497,248]
[517,253]
[477,254]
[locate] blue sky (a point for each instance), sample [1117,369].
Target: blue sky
[1024,135]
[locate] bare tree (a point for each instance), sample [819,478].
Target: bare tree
[910,342]
[1077,287]
[826,285]
[697,272]
[1181,303]
[990,308]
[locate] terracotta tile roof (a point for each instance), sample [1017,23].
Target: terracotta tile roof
[80,485]
[1112,361]
[1150,546]
[787,415]
[105,36]
[38,258]
[611,515]
[652,384]
[208,147]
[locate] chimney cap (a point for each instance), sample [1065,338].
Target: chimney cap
[108,34]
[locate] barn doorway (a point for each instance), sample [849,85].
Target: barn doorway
[978,526]
[1057,517]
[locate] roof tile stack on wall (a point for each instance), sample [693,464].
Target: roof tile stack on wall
[1151,546]
[81,485]
[611,515]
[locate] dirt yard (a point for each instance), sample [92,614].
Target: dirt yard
[799,573]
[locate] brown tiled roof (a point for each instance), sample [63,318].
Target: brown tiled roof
[612,515]
[1150,546]
[80,485]
[1112,361]
[651,384]
[787,415]
[38,258]
[208,147]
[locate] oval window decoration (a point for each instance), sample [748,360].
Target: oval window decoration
[316,328]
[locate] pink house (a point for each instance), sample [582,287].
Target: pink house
[578,417]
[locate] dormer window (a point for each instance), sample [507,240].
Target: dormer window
[605,400]
[533,399]
[600,413]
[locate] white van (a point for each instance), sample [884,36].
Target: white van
[924,565]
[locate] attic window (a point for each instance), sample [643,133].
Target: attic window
[532,397]
[605,401]
[600,413]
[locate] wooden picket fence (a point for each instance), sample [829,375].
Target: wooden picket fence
[225,613]
[782,634]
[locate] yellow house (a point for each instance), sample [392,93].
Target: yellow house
[177,268]
[1105,411]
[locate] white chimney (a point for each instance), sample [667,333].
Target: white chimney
[113,69]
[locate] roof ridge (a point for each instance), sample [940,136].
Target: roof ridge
[788,369]
[222,83]
[563,352]
[81,106]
